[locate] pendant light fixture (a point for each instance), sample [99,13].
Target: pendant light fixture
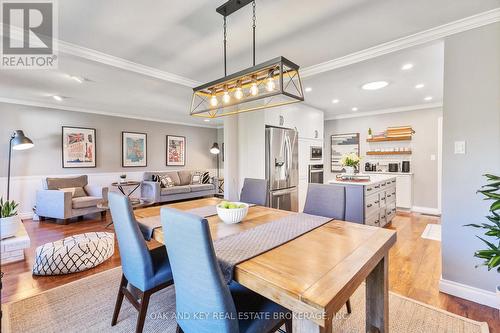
[272,83]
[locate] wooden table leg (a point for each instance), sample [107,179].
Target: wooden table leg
[377,298]
[302,325]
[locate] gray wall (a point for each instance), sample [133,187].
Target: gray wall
[471,113]
[424,144]
[43,126]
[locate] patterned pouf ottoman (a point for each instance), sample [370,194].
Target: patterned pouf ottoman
[74,254]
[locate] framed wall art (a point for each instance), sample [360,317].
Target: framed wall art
[78,147]
[134,149]
[176,150]
[343,144]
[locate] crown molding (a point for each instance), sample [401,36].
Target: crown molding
[99,112]
[385,111]
[418,38]
[107,59]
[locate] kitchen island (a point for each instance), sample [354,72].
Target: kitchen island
[370,202]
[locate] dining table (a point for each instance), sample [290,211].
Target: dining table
[314,274]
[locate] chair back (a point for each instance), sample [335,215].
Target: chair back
[325,200]
[199,286]
[137,264]
[254,191]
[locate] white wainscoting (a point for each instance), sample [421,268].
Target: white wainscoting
[473,294]
[23,189]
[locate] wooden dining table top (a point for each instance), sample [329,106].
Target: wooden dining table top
[313,274]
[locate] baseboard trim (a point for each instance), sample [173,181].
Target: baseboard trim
[426,210]
[470,293]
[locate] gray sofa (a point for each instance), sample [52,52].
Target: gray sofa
[53,202]
[151,190]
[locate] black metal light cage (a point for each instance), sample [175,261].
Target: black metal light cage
[286,89]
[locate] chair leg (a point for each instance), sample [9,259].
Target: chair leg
[103,214]
[142,312]
[288,325]
[178,329]
[348,305]
[119,300]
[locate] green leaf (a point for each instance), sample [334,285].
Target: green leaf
[495,261]
[495,184]
[495,206]
[491,177]
[493,247]
[490,194]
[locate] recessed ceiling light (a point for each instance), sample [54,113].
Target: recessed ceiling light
[407,67]
[375,85]
[419,86]
[335,101]
[78,79]
[354,109]
[206,120]
[309,89]
[57,98]
[428,98]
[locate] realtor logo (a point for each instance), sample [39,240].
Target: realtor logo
[28,35]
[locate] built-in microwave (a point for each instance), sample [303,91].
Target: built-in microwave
[316,153]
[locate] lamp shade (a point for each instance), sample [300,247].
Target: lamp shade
[215,148]
[20,141]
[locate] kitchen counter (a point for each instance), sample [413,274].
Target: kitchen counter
[374,178]
[388,173]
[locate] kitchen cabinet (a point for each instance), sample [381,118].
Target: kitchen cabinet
[372,203]
[308,121]
[404,187]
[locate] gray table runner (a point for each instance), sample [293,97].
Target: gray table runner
[149,224]
[234,249]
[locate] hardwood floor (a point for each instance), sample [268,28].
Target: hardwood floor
[414,266]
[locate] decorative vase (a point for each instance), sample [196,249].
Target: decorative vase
[349,170]
[9,226]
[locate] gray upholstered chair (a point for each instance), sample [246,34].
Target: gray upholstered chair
[147,270]
[254,191]
[64,198]
[328,201]
[200,287]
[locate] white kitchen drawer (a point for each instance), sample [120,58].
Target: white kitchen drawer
[382,195]
[370,189]
[373,219]
[372,203]
[390,211]
[390,196]
[383,217]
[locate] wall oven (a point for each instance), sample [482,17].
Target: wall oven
[316,173]
[316,153]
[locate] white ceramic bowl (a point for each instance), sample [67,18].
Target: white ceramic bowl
[234,215]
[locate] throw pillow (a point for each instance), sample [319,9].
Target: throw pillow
[76,192]
[154,178]
[165,181]
[196,178]
[205,178]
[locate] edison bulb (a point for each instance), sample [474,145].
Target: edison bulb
[254,90]
[226,98]
[270,85]
[214,101]
[238,93]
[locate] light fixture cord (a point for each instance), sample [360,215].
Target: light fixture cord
[253,28]
[225,42]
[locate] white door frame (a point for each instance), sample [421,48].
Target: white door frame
[440,162]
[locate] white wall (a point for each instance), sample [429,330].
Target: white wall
[424,144]
[471,113]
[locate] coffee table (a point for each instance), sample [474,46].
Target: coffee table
[134,185]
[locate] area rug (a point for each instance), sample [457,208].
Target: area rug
[432,231]
[87,305]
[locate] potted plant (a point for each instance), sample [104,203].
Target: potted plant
[350,162]
[370,134]
[491,255]
[9,220]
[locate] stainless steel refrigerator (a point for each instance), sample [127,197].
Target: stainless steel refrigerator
[282,155]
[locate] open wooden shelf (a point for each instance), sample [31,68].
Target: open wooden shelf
[402,138]
[388,152]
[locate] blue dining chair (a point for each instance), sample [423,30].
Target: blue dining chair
[327,201]
[254,191]
[147,271]
[200,287]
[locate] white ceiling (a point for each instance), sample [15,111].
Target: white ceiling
[345,83]
[184,38]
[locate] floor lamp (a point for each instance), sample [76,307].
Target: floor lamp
[215,150]
[18,141]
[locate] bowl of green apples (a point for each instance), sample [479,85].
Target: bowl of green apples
[232,212]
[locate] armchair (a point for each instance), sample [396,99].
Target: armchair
[64,198]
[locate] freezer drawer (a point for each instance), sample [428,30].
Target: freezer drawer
[286,199]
